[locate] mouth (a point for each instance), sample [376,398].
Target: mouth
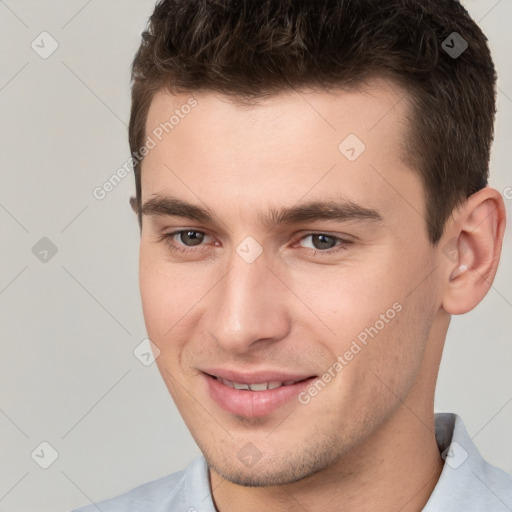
[255,397]
[259,386]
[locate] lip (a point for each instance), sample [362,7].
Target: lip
[254,404]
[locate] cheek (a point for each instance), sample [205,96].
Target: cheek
[156,300]
[344,300]
[371,320]
[166,305]
[169,293]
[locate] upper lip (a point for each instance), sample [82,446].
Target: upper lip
[255,376]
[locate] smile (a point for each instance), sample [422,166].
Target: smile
[255,399]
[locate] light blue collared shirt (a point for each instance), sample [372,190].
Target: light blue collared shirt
[467,483]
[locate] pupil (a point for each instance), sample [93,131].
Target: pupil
[324,241]
[194,237]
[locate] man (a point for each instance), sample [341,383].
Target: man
[311,186]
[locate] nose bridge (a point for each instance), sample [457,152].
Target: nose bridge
[247,306]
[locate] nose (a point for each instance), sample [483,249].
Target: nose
[248,308]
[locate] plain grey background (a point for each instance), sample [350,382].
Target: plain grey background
[70,321]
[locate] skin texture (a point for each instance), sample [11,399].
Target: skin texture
[366,440]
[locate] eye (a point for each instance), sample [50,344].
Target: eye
[190,238]
[185,240]
[323,243]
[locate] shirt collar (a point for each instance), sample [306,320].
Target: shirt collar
[467,482]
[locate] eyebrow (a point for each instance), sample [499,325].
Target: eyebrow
[340,210]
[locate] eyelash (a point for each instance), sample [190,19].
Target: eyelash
[169,237]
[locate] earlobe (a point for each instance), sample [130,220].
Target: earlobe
[475,238]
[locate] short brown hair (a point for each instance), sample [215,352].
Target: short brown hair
[249,49]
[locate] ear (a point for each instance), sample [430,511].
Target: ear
[133,204]
[470,250]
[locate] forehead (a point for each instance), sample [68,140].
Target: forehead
[362,108]
[283,148]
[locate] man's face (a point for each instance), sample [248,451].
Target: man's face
[342,300]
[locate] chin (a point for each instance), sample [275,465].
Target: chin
[260,476]
[275,471]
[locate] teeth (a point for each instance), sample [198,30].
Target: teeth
[236,385]
[261,386]
[258,387]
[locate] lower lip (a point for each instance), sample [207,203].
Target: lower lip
[253,404]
